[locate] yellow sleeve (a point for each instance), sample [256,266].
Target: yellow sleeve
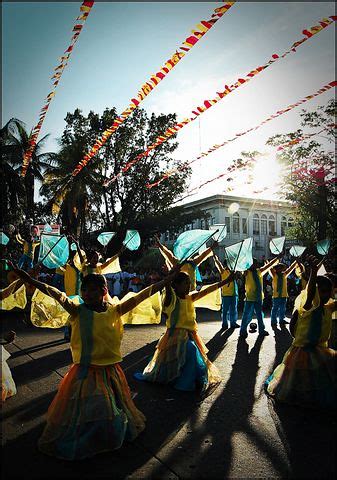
[19,238]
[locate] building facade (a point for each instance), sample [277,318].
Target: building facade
[257,218]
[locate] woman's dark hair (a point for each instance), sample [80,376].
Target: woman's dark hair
[324,282]
[94,279]
[181,277]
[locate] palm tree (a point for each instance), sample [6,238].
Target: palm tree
[69,197]
[12,187]
[16,143]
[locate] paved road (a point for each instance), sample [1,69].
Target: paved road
[234,433]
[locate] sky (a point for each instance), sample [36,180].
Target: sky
[122,44]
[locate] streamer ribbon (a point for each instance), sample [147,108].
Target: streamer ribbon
[85,10]
[238,135]
[198,32]
[220,95]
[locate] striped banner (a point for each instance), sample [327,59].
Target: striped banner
[198,32]
[220,95]
[84,12]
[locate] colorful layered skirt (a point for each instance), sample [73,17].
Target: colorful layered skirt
[91,415]
[181,359]
[307,377]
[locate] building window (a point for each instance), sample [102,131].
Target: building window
[256,224]
[236,223]
[264,225]
[272,225]
[202,223]
[290,222]
[192,226]
[212,220]
[244,225]
[228,224]
[167,236]
[283,225]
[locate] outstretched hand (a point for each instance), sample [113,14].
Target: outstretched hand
[20,273]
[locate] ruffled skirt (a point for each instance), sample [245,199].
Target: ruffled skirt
[181,359]
[91,415]
[306,377]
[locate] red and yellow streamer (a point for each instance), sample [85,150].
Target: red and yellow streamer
[324,23]
[238,135]
[230,168]
[198,32]
[85,10]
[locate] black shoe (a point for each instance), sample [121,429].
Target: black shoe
[284,322]
[243,335]
[235,325]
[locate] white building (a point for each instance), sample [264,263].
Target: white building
[257,218]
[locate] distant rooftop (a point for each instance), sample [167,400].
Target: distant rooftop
[241,200]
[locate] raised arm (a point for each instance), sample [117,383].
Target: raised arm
[202,293]
[127,305]
[311,287]
[167,254]
[203,256]
[53,292]
[19,239]
[269,265]
[12,288]
[218,264]
[290,269]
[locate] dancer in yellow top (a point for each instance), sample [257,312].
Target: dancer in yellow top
[27,258]
[230,295]
[254,296]
[280,274]
[93,410]
[307,375]
[180,357]
[189,266]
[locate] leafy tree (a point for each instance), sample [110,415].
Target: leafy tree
[84,202]
[310,180]
[15,138]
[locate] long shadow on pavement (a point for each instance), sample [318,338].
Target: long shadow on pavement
[309,438]
[208,452]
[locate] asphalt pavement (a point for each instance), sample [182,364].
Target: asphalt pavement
[236,432]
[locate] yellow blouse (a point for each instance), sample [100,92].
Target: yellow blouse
[312,328]
[96,336]
[227,290]
[186,312]
[284,291]
[251,290]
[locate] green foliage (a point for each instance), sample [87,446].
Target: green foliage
[309,183]
[85,203]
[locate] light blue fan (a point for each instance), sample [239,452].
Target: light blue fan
[240,255]
[54,250]
[276,245]
[47,228]
[3,239]
[296,250]
[105,237]
[323,246]
[190,242]
[222,234]
[132,240]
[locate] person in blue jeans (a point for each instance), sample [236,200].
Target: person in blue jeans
[280,274]
[254,296]
[230,294]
